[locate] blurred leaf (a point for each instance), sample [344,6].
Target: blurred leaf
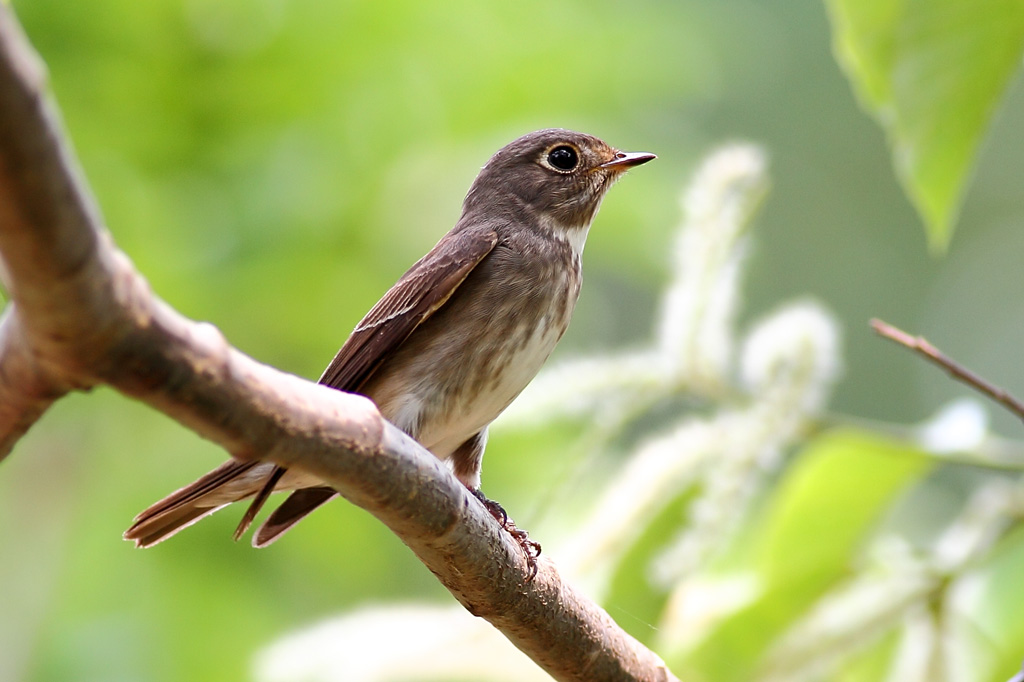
[634,600]
[871,665]
[810,533]
[997,617]
[835,491]
[932,72]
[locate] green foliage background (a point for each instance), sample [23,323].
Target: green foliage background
[273,166]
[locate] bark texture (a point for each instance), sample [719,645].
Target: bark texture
[80,315]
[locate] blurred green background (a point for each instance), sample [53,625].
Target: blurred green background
[273,166]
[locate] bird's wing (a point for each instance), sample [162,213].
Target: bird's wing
[414,298]
[422,290]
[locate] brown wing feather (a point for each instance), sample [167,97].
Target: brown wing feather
[424,288]
[421,291]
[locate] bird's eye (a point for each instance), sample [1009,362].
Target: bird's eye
[563,158]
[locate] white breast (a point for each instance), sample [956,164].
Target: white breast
[467,413]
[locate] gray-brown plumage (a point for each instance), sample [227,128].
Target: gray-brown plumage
[457,338]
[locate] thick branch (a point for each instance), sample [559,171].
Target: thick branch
[25,390]
[82,316]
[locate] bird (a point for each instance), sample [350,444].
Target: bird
[456,339]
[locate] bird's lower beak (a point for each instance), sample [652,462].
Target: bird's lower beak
[624,160]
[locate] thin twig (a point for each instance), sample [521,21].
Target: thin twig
[921,346]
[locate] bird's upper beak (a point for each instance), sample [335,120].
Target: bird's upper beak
[625,160]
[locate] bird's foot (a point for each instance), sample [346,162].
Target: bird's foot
[530,547]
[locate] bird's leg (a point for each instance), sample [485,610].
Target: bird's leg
[530,548]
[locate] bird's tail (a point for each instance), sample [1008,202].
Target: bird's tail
[230,482]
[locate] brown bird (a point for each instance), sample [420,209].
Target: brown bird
[457,338]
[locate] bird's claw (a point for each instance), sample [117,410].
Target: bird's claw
[530,548]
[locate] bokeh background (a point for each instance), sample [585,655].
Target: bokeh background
[272,166]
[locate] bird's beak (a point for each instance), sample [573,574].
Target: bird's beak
[626,160]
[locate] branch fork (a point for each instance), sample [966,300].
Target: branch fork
[80,315]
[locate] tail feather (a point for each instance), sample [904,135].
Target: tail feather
[226,484]
[156,529]
[258,500]
[294,509]
[231,482]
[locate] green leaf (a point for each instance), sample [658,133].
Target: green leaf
[830,497]
[995,619]
[873,663]
[634,600]
[820,515]
[932,72]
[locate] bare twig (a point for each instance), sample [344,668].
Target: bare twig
[82,316]
[921,346]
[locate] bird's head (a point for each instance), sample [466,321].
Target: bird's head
[557,176]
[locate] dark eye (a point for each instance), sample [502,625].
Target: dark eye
[564,158]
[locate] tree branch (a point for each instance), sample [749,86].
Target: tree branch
[81,316]
[920,345]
